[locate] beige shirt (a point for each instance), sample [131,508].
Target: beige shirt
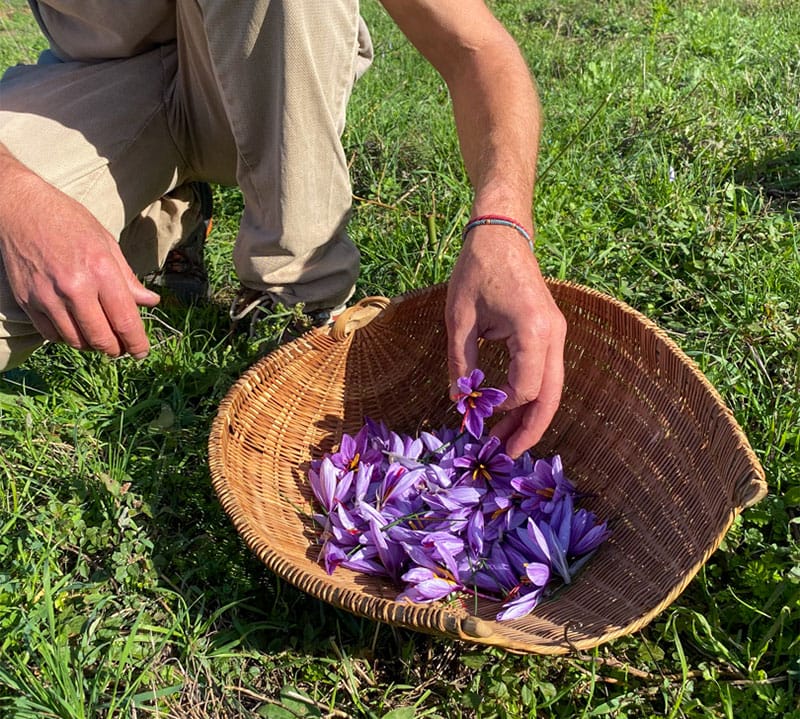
[104,29]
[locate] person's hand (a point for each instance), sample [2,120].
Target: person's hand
[497,292]
[68,274]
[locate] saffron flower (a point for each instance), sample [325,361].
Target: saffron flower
[449,513]
[428,585]
[484,462]
[354,450]
[476,403]
[329,483]
[543,487]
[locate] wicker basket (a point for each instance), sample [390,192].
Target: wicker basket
[639,428]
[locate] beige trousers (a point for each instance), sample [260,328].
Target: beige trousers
[250,94]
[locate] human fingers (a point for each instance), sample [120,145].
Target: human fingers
[523,427]
[141,295]
[96,327]
[525,372]
[531,343]
[462,340]
[517,428]
[124,320]
[89,325]
[43,325]
[57,323]
[96,311]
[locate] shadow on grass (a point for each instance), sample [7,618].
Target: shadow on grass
[197,551]
[777,176]
[136,466]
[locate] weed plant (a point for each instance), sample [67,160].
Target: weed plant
[669,177]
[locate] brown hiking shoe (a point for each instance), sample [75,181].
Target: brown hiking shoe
[184,274]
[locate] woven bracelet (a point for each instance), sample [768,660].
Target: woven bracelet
[497,220]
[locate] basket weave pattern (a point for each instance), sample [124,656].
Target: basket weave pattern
[639,429]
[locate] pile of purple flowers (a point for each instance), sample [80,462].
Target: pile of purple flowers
[449,513]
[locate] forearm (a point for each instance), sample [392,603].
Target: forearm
[494,99]
[14,178]
[498,119]
[18,189]
[11,169]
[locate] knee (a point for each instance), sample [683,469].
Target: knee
[15,350]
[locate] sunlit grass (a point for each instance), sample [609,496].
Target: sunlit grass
[669,178]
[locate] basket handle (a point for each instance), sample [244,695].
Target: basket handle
[359,315]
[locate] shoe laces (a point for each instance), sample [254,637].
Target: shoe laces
[246,301]
[259,305]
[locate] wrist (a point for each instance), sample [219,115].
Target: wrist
[498,220]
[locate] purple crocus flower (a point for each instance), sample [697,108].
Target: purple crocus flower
[362,559]
[332,556]
[454,499]
[530,542]
[484,461]
[476,403]
[548,542]
[578,530]
[391,554]
[437,478]
[398,483]
[502,515]
[365,560]
[587,533]
[441,439]
[495,573]
[443,446]
[403,449]
[363,486]
[325,483]
[434,444]
[436,550]
[377,431]
[353,450]
[543,487]
[449,512]
[558,544]
[475,533]
[531,588]
[344,526]
[520,582]
[427,585]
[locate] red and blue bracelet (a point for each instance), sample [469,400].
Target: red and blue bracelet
[497,220]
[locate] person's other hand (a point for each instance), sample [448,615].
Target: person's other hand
[497,292]
[68,273]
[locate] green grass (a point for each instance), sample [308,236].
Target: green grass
[20,39]
[669,177]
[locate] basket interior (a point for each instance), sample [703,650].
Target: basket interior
[639,430]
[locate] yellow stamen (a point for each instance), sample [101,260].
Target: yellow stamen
[354,462]
[442,573]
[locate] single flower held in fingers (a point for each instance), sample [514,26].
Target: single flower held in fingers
[476,403]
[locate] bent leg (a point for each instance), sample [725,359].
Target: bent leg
[284,86]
